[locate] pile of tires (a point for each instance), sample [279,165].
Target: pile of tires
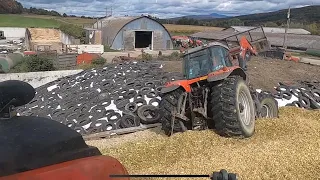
[303,94]
[116,96]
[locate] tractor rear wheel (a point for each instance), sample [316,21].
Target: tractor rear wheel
[232,108]
[169,103]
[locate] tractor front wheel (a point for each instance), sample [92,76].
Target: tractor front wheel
[232,108]
[168,104]
[268,106]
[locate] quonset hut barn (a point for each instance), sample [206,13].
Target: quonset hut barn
[129,33]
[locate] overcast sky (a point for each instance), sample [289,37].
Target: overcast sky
[166,8]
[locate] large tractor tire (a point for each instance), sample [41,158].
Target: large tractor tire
[169,103]
[232,108]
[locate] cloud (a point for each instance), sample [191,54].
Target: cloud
[165,8]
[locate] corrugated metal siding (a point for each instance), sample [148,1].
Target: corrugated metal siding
[111,26]
[142,24]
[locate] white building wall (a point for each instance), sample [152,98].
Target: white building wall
[13,32]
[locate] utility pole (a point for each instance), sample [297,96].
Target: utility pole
[111,11]
[97,23]
[286,30]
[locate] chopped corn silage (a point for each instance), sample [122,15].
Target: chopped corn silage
[283,148]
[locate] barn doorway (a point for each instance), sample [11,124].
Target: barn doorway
[143,39]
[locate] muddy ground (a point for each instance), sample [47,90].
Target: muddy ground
[265,73]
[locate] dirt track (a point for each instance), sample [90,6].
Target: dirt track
[266,73]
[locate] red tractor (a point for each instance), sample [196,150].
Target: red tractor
[38,148]
[214,92]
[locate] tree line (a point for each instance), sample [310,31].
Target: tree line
[305,17]
[15,7]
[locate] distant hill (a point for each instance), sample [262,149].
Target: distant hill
[303,15]
[299,15]
[308,14]
[307,17]
[200,17]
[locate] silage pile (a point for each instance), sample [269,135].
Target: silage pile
[284,148]
[114,97]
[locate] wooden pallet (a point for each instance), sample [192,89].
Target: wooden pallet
[112,133]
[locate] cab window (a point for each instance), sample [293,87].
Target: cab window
[220,57]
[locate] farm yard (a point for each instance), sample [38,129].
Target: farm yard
[103,102]
[282,148]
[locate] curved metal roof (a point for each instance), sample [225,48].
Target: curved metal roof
[112,25]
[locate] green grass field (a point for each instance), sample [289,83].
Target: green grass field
[45,21]
[10,20]
[25,20]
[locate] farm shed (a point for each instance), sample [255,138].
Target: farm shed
[47,39]
[13,33]
[268,30]
[294,41]
[129,33]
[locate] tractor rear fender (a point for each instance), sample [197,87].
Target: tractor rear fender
[214,76]
[225,72]
[169,88]
[185,84]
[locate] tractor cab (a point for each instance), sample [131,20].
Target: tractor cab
[202,60]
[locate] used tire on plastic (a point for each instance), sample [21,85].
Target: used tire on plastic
[296,104]
[154,100]
[151,94]
[148,114]
[140,102]
[131,107]
[129,120]
[121,104]
[304,101]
